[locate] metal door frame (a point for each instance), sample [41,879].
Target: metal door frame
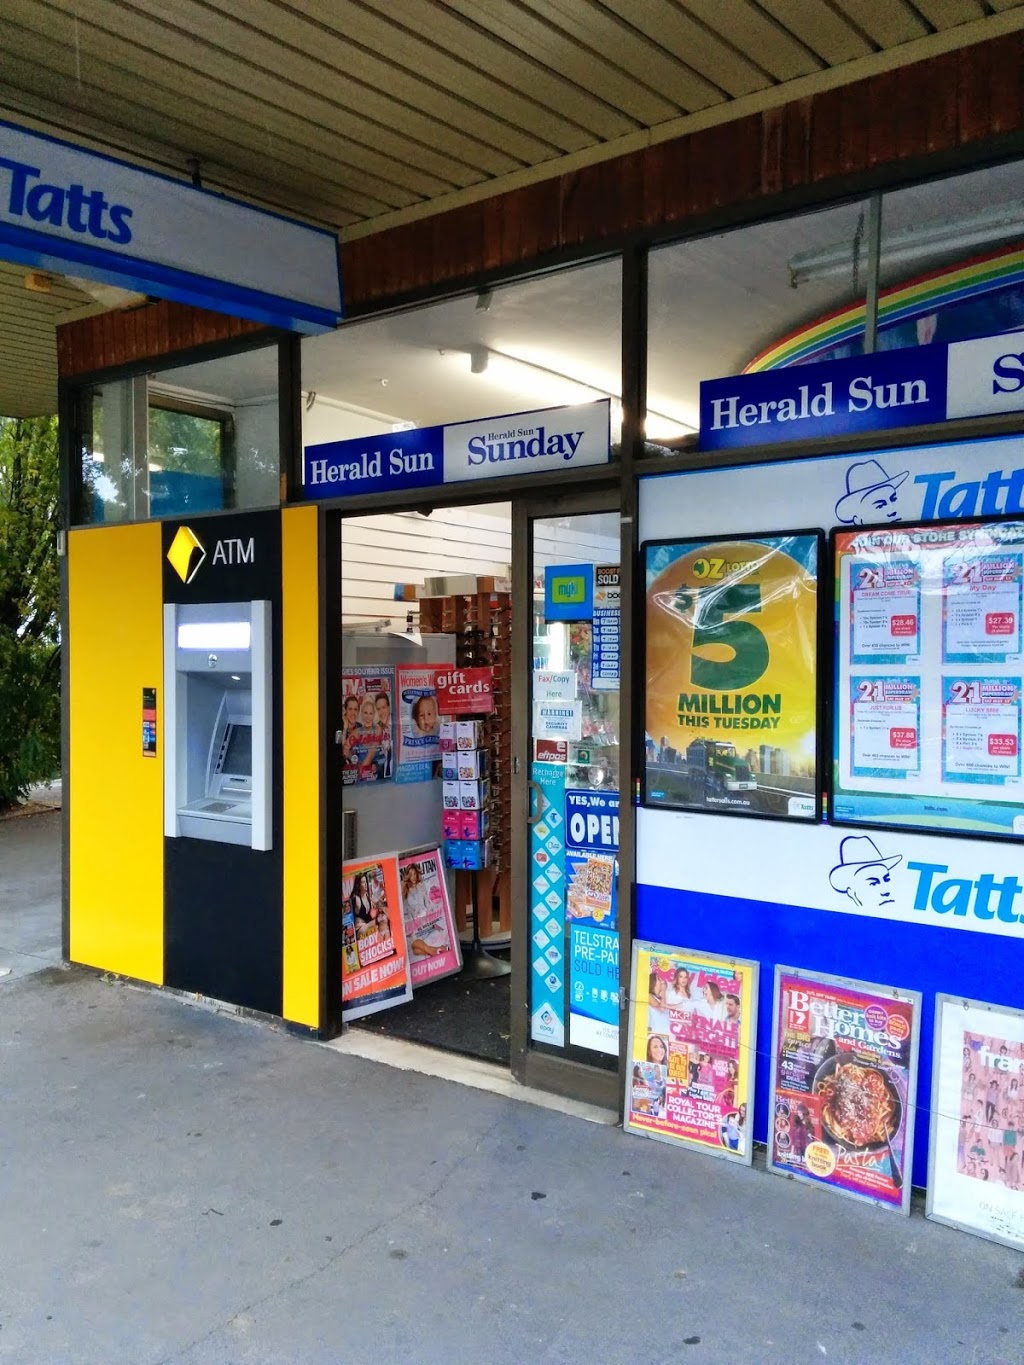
[544,1070]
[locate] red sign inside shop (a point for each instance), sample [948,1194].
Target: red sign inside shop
[465,691]
[551,750]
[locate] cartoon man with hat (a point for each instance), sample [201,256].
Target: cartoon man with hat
[863,874]
[871,494]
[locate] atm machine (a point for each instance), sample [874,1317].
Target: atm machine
[218,690]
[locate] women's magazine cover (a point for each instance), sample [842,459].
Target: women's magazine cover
[419,724]
[368,727]
[375,970]
[430,931]
[691,1050]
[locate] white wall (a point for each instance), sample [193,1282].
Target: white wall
[257,453]
[380,551]
[377,552]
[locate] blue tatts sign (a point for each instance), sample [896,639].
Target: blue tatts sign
[561,439]
[75,211]
[910,387]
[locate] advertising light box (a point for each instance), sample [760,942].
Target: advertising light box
[929,668]
[974,1175]
[844,1085]
[731,636]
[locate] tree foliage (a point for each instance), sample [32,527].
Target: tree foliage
[29,605]
[182,441]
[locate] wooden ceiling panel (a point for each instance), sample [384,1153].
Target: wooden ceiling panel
[103,87]
[313,83]
[481,76]
[748,30]
[603,34]
[196,139]
[474,46]
[288,135]
[943,14]
[365,113]
[821,28]
[310,55]
[547,44]
[693,43]
[886,24]
[28,340]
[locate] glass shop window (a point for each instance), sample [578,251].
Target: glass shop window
[193,438]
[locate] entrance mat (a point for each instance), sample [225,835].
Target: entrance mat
[469,1017]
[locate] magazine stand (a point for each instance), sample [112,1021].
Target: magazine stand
[477,963]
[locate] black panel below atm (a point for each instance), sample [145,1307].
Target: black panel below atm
[223,923]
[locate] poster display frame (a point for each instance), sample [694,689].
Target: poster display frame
[750,1009]
[841,619]
[370,1001]
[409,856]
[942,1002]
[822,691]
[353,686]
[899,994]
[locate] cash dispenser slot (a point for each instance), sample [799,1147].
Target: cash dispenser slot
[217,666]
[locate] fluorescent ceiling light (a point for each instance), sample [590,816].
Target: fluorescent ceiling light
[214,635]
[909,245]
[551,388]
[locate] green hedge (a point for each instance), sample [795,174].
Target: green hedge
[29,715]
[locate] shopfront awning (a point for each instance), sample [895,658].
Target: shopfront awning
[358,115]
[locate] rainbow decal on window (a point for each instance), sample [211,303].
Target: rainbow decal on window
[839,334]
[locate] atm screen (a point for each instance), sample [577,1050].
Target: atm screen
[237,761]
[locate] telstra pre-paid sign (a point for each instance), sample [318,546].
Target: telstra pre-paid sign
[492,447]
[78,212]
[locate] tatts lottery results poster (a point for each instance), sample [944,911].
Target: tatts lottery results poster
[690,1071]
[843,1085]
[732,630]
[375,970]
[930,677]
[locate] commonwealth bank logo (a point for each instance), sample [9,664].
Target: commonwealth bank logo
[186,555]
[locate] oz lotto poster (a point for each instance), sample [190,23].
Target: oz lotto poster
[691,1058]
[843,1085]
[731,675]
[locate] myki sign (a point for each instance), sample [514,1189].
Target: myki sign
[78,212]
[523,443]
[888,389]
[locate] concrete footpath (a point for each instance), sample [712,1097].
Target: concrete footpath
[181,1186]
